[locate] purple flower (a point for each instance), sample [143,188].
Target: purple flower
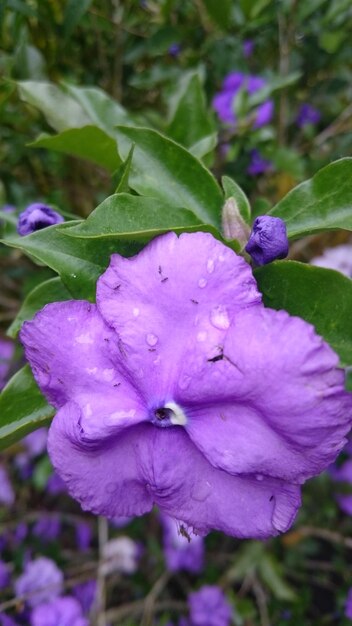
[209,607]
[181,552]
[64,611]
[5,620]
[223,102]
[338,258]
[41,580]
[8,208]
[258,165]
[268,240]
[83,536]
[47,528]
[85,593]
[20,534]
[7,349]
[307,114]
[174,50]
[348,606]
[343,474]
[248,47]
[7,495]
[4,575]
[180,389]
[35,217]
[120,555]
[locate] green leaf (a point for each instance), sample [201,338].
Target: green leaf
[123,174]
[271,575]
[132,217]
[60,110]
[191,121]
[51,290]
[322,203]
[100,108]
[232,190]
[204,146]
[74,11]
[165,170]
[219,11]
[89,142]
[320,296]
[79,262]
[22,408]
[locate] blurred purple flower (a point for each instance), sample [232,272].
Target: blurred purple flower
[248,48]
[6,620]
[47,528]
[4,574]
[7,350]
[8,208]
[180,552]
[83,536]
[258,165]
[7,494]
[35,217]
[338,258]
[85,593]
[307,114]
[64,611]
[223,102]
[55,485]
[348,605]
[24,465]
[20,533]
[35,442]
[168,375]
[209,607]
[42,580]
[174,50]
[343,474]
[268,240]
[121,521]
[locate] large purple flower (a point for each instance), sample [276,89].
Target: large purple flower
[223,102]
[178,388]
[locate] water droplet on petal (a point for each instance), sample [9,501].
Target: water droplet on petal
[151,339]
[202,283]
[221,258]
[201,490]
[136,311]
[202,335]
[219,317]
[184,382]
[259,477]
[210,266]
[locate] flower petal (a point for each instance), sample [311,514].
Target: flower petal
[175,288]
[276,394]
[74,356]
[136,470]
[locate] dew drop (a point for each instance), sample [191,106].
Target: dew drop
[202,335]
[201,491]
[219,317]
[202,283]
[136,311]
[151,339]
[73,275]
[210,266]
[184,382]
[259,477]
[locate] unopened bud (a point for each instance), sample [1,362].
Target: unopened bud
[233,224]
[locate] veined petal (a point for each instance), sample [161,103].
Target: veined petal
[275,394]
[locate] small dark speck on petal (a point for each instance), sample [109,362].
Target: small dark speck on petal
[194,301]
[271,498]
[117,384]
[163,280]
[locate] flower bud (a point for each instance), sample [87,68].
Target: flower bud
[233,224]
[268,240]
[35,217]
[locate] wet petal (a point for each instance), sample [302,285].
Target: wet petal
[276,393]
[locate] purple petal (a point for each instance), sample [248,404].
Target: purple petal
[276,394]
[264,114]
[136,470]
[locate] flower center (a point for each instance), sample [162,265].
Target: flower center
[170,414]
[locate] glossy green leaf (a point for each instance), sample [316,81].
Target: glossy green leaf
[320,296]
[191,121]
[79,262]
[23,408]
[322,203]
[52,290]
[89,142]
[101,109]
[123,174]
[60,109]
[132,217]
[165,170]
[219,11]
[232,190]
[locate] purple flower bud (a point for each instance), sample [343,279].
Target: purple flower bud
[258,165]
[248,47]
[209,607]
[307,114]
[268,240]
[41,580]
[4,575]
[174,50]
[35,217]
